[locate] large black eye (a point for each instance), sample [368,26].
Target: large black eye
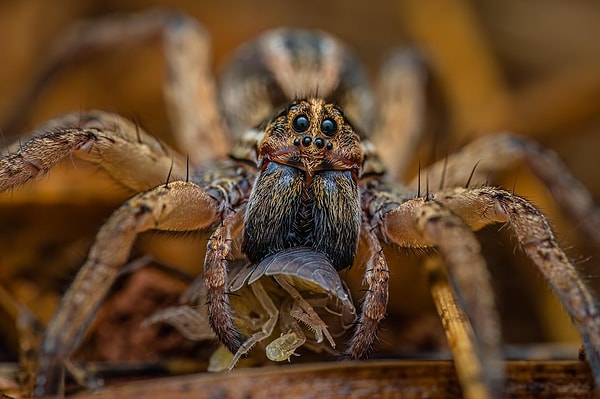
[328,127]
[300,123]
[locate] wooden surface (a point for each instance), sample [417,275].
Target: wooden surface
[367,379]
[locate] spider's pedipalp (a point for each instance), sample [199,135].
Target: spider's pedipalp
[536,238]
[218,252]
[179,206]
[375,300]
[129,155]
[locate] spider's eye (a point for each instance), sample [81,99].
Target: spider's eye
[300,124]
[328,127]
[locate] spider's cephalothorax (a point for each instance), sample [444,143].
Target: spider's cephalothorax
[311,153]
[303,190]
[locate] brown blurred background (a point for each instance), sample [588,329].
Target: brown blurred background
[529,67]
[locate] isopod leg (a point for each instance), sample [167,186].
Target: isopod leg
[305,313]
[267,327]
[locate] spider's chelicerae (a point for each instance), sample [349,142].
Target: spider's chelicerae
[283,160]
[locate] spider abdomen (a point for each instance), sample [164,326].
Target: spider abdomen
[287,210]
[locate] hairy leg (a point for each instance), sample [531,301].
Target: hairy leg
[178,206]
[490,155]
[218,253]
[191,92]
[190,89]
[423,222]
[375,300]
[479,207]
[129,155]
[485,205]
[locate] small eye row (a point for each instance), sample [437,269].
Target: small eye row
[300,124]
[306,141]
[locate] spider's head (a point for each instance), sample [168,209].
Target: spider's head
[311,135]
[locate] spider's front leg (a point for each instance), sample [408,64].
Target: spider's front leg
[129,155]
[478,207]
[178,206]
[537,240]
[496,153]
[424,222]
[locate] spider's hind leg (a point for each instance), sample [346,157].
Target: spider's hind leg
[401,112]
[189,86]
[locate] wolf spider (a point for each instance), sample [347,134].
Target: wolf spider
[302,171]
